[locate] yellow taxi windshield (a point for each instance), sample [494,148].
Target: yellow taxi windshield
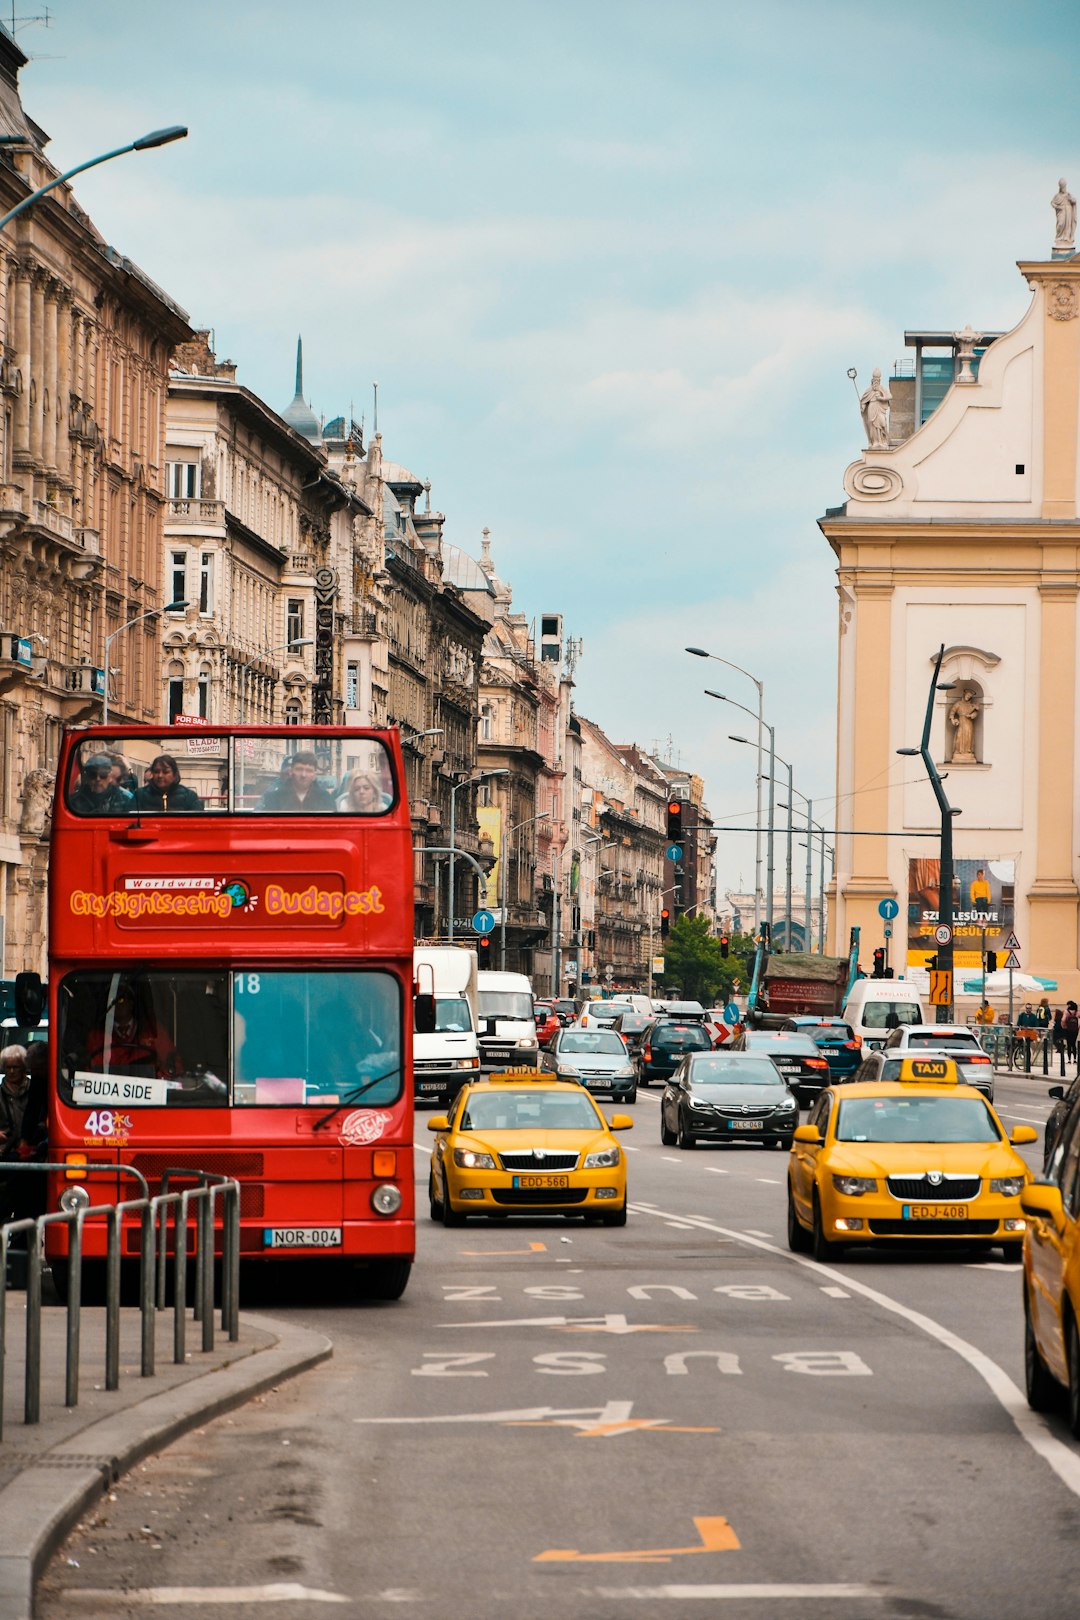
[915,1119]
[520,1110]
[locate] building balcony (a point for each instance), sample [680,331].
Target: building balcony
[192,511]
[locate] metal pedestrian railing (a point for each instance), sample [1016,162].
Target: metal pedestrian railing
[1028,1051]
[199,1202]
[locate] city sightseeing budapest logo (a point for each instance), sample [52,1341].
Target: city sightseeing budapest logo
[220,898]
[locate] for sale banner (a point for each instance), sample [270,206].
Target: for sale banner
[983,909]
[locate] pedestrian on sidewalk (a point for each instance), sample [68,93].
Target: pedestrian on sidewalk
[1057,1030]
[1070,1024]
[1042,1014]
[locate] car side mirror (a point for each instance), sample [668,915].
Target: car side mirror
[621,1122]
[1043,1198]
[28,998]
[424,1014]
[1023,1133]
[1056,1091]
[438,1122]
[808,1134]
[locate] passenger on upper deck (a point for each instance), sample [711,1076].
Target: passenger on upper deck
[297,790]
[361,795]
[165,792]
[97,794]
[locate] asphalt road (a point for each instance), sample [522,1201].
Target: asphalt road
[592,1423]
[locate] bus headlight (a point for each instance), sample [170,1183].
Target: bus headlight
[72,1199]
[386,1200]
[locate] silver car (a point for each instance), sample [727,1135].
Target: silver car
[597,1058]
[972,1065]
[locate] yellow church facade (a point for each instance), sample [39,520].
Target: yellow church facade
[961,530]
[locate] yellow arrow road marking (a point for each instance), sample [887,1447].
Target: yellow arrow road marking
[595,1431]
[716,1536]
[534,1248]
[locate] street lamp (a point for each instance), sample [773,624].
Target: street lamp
[156,137]
[770,871]
[945,863]
[810,825]
[470,781]
[503,864]
[291,645]
[700,652]
[151,613]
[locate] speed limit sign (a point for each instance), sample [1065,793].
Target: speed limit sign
[942,934]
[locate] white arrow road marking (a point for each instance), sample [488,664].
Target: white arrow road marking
[204,1596]
[739,1592]
[1061,1458]
[612,1323]
[605,1422]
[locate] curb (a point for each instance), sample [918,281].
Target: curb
[41,1506]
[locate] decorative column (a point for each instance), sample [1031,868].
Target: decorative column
[49,391]
[67,320]
[37,364]
[24,271]
[1053,896]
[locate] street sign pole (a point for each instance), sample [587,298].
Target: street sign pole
[1010,989]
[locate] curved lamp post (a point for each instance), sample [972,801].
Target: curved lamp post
[156,137]
[769,842]
[470,781]
[700,652]
[151,613]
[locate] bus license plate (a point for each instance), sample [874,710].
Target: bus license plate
[745,1124]
[936,1212]
[532,1182]
[302,1237]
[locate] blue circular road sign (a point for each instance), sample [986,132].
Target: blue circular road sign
[483,922]
[731,1013]
[888,909]
[674,853]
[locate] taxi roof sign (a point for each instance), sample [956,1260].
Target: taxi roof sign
[531,1075]
[938,1071]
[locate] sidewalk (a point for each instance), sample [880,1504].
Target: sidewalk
[53,1471]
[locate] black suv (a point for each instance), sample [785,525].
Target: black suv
[665,1045]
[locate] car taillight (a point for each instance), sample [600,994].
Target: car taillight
[647,1054]
[851,1046]
[816,1063]
[975,1060]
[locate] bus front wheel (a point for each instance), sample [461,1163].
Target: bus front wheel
[385,1279]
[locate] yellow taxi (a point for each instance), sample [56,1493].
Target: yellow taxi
[920,1158]
[527,1144]
[1052,1278]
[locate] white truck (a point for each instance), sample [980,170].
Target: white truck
[444,1059]
[507,1022]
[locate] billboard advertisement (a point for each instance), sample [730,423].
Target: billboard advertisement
[984,893]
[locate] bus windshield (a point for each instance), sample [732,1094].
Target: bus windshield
[199,774]
[158,1037]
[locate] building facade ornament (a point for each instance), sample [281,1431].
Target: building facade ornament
[874,404]
[965,348]
[871,482]
[1064,205]
[1062,301]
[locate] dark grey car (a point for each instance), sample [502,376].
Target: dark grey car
[796,1056]
[727,1097]
[597,1058]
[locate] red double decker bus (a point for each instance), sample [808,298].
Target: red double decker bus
[231,981]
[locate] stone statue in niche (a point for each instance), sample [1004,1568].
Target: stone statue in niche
[36,802]
[962,716]
[1064,205]
[874,405]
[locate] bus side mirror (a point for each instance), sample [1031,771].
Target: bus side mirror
[29,998]
[424,1014]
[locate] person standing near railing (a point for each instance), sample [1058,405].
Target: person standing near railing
[1071,1025]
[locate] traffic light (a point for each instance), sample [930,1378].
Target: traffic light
[724,943]
[483,949]
[991,961]
[674,821]
[665,922]
[931,962]
[879,963]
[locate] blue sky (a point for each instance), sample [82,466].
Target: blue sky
[609,262]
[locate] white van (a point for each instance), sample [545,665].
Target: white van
[870,1002]
[507,1022]
[448,1055]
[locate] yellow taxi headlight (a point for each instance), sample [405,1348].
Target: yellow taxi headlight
[1009,1186]
[602,1160]
[854,1186]
[470,1159]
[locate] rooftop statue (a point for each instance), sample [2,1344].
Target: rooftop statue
[1064,205]
[874,405]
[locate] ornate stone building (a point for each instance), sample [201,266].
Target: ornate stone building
[85,340]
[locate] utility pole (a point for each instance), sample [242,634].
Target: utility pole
[945,874]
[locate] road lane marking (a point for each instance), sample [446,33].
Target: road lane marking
[713,1171]
[752,1231]
[613,1322]
[838,1293]
[592,1422]
[534,1248]
[773,1181]
[670,1158]
[205,1596]
[715,1532]
[1030,1426]
[698,1593]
